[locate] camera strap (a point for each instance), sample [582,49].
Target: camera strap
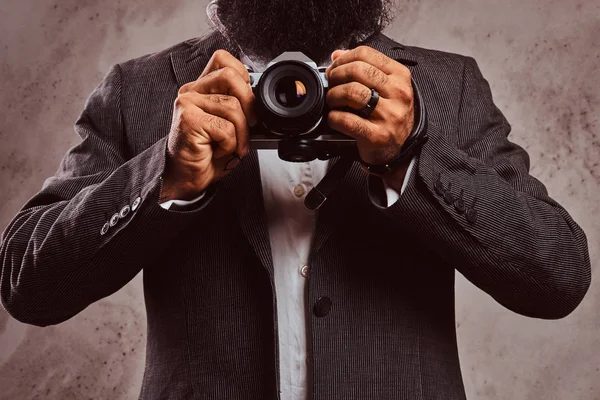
[319,194]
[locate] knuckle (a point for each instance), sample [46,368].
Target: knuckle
[361,51]
[358,93]
[350,92]
[404,93]
[365,95]
[184,88]
[217,98]
[371,72]
[229,144]
[360,129]
[220,55]
[354,70]
[180,101]
[228,73]
[382,59]
[183,121]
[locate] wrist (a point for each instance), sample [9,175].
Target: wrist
[175,186]
[395,177]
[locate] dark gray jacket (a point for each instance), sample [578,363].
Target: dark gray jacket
[208,273]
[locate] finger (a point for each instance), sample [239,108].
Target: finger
[371,56]
[361,72]
[353,126]
[337,53]
[221,59]
[207,129]
[227,107]
[354,95]
[225,81]
[222,133]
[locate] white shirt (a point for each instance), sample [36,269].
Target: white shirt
[291,228]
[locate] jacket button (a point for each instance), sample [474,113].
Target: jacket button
[322,306]
[459,204]
[448,197]
[114,219]
[439,188]
[124,212]
[136,203]
[471,215]
[104,229]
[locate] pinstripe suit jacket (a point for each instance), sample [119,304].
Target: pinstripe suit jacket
[208,273]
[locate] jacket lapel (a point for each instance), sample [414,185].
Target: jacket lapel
[242,188]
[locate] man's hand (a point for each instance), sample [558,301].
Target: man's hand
[209,128]
[351,76]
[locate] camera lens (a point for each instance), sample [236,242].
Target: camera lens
[290,98]
[290,92]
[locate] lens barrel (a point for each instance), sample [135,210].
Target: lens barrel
[290,98]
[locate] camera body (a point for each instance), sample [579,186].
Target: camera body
[292,112]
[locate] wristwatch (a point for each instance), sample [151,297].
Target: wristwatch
[413,143]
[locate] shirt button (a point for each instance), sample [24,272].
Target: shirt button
[304,271]
[114,219]
[322,306]
[136,203]
[299,190]
[104,229]
[124,211]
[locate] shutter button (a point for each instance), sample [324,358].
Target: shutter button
[322,307]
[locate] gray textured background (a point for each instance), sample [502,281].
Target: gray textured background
[542,59]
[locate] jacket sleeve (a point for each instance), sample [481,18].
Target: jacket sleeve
[94,225]
[473,202]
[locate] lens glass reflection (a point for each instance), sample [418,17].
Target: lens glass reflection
[290,92]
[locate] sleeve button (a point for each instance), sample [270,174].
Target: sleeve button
[104,229]
[439,188]
[136,203]
[114,219]
[459,205]
[124,212]
[471,215]
[448,197]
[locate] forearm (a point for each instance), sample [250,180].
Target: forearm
[58,257]
[523,248]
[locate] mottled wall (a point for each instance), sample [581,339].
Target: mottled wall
[542,59]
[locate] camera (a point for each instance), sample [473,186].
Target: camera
[292,112]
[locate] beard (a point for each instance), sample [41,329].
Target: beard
[266,28]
